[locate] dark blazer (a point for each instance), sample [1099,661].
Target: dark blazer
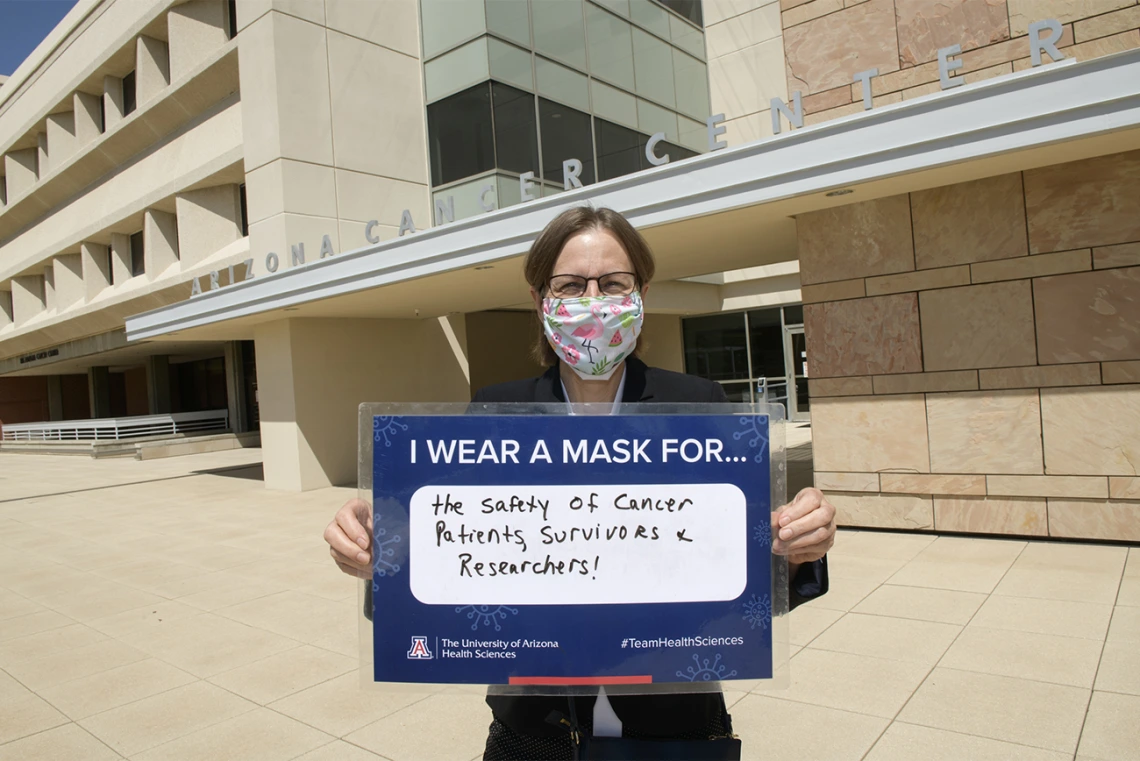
[646,715]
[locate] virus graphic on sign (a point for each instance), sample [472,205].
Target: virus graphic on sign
[385,428]
[762,533]
[383,565]
[706,670]
[486,615]
[758,611]
[756,428]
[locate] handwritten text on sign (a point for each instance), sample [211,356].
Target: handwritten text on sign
[573,545]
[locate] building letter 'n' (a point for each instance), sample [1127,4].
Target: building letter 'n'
[795,114]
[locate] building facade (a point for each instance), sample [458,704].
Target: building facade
[916,224]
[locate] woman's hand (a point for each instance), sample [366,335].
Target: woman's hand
[805,529]
[350,538]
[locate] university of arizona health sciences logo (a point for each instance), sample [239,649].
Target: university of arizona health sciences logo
[419,650]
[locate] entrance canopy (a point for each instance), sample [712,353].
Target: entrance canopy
[729,209]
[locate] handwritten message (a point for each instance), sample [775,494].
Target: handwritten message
[576,545]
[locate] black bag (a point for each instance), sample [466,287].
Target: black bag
[724,747]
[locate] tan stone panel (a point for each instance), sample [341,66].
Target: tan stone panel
[1024,12]
[1120,372]
[1093,202]
[1092,431]
[1108,23]
[978,326]
[787,5]
[870,434]
[826,52]
[808,11]
[930,88]
[1040,265]
[883,510]
[721,10]
[1123,255]
[1041,377]
[985,432]
[904,79]
[917,383]
[830,482]
[864,337]
[969,222]
[1091,316]
[1093,519]
[837,291]
[1025,517]
[833,113]
[1010,50]
[945,277]
[818,387]
[1047,486]
[925,27]
[856,240]
[921,483]
[839,96]
[1120,487]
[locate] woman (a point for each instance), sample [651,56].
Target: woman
[588,272]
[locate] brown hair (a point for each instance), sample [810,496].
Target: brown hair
[544,253]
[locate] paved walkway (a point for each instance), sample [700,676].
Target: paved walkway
[175,609]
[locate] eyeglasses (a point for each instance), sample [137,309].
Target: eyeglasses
[573,286]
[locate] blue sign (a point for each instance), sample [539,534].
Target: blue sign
[554,550]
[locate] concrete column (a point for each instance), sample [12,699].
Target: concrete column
[152,69]
[313,374]
[160,241]
[49,287]
[235,387]
[195,29]
[208,220]
[43,161]
[69,285]
[27,297]
[96,268]
[112,102]
[21,171]
[60,138]
[5,308]
[55,397]
[88,112]
[120,258]
[158,384]
[99,391]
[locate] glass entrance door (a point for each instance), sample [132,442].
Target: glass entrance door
[795,355]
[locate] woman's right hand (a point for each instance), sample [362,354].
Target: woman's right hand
[350,538]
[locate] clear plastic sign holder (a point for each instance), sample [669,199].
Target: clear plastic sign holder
[398,535]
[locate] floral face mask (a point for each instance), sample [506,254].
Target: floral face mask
[593,334]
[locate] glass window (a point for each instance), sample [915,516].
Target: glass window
[559,31]
[738,392]
[467,197]
[611,47]
[653,68]
[511,19]
[516,140]
[510,64]
[562,84]
[692,82]
[460,138]
[565,135]
[794,315]
[244,210]
[138,255]
[685,35]
[673,151]
[620,7]
[652,119]
[621,151]
[690,9]
[694,135]
[458,69]
[509,192]
[129,99]
[767,337]
[651,16]
[613,104]
[716,347]
[447,23]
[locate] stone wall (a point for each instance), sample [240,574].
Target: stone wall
[826,42]
[975,353]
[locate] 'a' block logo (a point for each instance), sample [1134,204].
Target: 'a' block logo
[419,650]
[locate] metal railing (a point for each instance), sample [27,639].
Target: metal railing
[113,429]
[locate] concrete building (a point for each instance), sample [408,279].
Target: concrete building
[328,200]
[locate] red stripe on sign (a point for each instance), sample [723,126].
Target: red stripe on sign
[582,680]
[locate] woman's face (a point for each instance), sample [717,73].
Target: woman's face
[590,253]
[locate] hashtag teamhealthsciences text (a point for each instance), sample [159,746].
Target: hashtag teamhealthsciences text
[641,644]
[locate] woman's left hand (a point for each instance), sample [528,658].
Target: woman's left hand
[805,529]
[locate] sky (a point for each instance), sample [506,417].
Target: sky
[23,25]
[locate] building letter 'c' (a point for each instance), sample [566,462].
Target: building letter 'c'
[652,157]
[368,228]
[483,191]
[1049,44]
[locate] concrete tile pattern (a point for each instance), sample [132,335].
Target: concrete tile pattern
[219,630]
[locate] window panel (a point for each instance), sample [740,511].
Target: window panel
[565,135]
[559,31]
[446,23]
[138,254]
[652,119]
[562,84]
[620,7]
[511,19]
[653,68]
[686,36]
[613,104]
[516,140]
[794,315]
[694,135]
[510,64]
[674,151]
[509,192]
[690,9]
[692,82]
[611,47]
[716,347]
[467,198]
[458,69]
[460,138]
[767,337]
[651,16]
[621,151]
